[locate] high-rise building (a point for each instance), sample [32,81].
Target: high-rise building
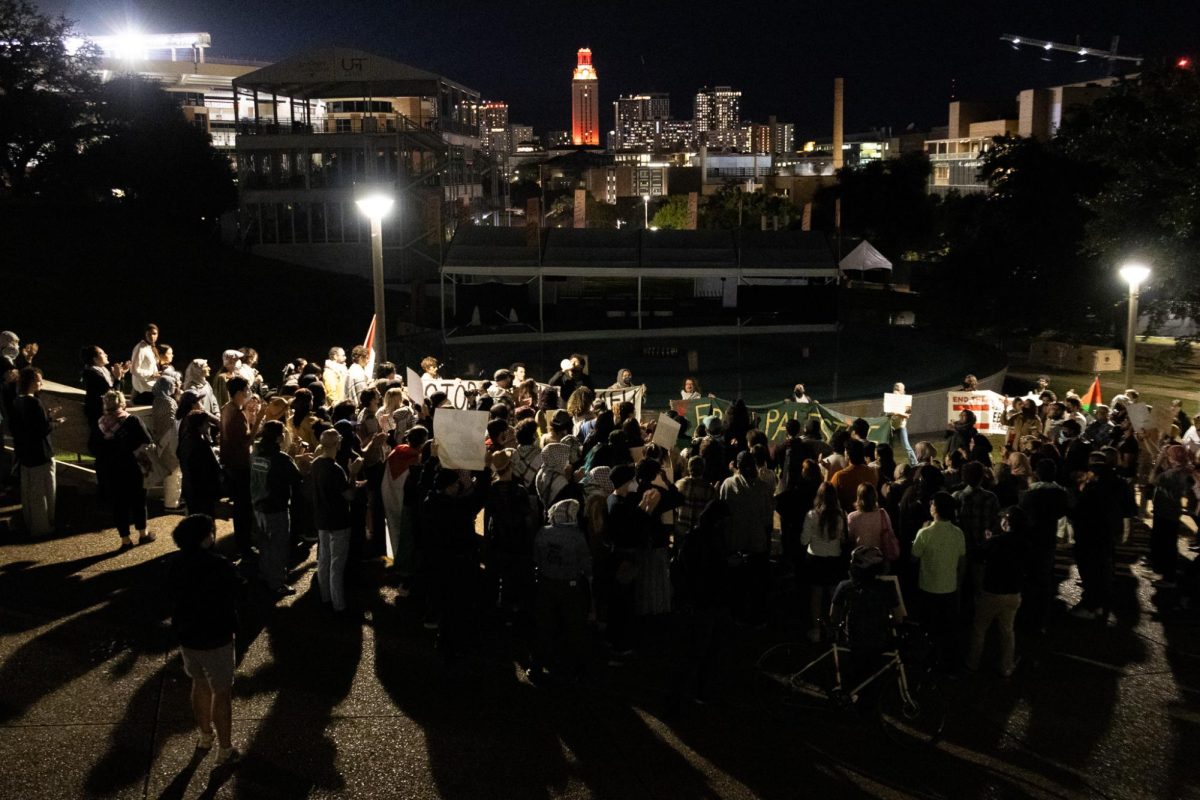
[636,117]
[718,109]
[493,127]
[558,139]
[585,101]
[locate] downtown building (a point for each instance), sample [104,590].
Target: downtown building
[717,119]
[585,101]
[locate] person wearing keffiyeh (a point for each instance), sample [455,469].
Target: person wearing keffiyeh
[552,479]
[399,514]
[564,566]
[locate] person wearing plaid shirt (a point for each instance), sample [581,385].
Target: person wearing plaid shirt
[978,516]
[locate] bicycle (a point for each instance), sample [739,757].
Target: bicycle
[909,704]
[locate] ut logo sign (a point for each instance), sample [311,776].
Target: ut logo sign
[352,64]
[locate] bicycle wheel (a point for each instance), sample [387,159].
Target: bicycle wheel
[912,709]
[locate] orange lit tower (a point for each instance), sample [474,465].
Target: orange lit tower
[585,101]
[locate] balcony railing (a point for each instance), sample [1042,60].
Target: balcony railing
[394,123]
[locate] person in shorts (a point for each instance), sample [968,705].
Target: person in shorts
[206,588]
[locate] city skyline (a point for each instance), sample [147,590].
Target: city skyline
[901,65]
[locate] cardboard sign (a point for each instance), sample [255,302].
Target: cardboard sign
[1139,415]
[460,436]
[897,403]
[666,432]
[412,382]
[988,407]
[614,397]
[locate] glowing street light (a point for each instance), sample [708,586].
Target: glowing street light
[375,204]
[1135,275]
[645,211]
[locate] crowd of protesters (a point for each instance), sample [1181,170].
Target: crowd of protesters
[582,518]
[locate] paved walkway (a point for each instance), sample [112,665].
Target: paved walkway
[93,703]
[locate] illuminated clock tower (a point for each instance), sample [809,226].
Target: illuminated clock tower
[585,102]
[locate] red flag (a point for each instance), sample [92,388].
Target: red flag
[1092,398]
[369,343]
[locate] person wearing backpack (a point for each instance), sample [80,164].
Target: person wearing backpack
[861,613]
[510,518]
[274,482]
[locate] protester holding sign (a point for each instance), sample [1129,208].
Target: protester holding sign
[898,407]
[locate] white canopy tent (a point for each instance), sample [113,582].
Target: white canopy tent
[863,258]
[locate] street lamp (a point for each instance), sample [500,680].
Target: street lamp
[1134,274]
[645,211]
[375,205]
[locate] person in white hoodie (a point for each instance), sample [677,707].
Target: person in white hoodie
[335,376]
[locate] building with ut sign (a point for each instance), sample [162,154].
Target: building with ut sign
[585,101]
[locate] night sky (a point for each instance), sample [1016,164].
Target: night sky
[901,59]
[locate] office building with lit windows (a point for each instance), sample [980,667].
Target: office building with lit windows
[314,127]
[585,101]
[717,118]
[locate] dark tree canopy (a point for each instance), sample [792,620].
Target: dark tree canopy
[46,91]
[148,156]
[1144,136]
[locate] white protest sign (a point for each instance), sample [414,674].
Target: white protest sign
[1139,415]
[460,438]
[412,381]
[458,391]
[988,407]
[666,431]
[614,397]
[897,403]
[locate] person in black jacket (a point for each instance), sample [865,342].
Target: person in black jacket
[332,492]
[1045,502]
[198,463]
[510,520]
[205,590]
[448,519]
[121,467]
[1105,500]
[274,484]
[30,424]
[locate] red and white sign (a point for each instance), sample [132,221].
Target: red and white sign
[988,406]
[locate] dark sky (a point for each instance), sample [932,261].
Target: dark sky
[900,58]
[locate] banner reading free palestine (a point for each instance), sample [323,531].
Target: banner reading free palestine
[773,418]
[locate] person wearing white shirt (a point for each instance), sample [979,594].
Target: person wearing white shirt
[1191,439]
[357,379]
[144,365]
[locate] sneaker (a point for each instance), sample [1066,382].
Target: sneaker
[229,755]
[285,590]
[126,544]
[147,538]
[1079,612]
[205,742]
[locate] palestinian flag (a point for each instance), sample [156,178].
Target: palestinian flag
[1092,399]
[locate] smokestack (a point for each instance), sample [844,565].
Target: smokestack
[838,105]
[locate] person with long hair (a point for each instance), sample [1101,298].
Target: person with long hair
[121,466]
[823,537]
[690,389]
[870,526]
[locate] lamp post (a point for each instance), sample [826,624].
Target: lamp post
[375,205]
[645,211]
[1133,274]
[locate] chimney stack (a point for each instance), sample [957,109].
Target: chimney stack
[838,105]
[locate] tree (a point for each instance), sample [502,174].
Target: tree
[672,214]
[46,90]
[1019,245]
[732,207]
[1144,136]
[149,157]
[886,202]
